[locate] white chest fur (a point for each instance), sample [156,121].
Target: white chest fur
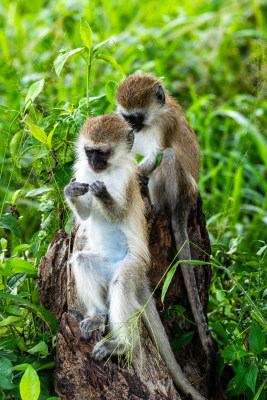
[147,142]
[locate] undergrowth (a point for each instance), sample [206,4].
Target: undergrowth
[212,57]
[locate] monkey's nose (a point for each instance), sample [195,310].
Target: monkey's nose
[136,121]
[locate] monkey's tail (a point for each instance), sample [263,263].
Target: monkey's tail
[159,336]
[179,223]
[203,328]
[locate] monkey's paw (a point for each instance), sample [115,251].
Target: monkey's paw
[98,188]
[102,350]
[75,189]
[92,323]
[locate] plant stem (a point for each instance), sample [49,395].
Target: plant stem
[88,78]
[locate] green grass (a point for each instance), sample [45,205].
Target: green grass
[212,56]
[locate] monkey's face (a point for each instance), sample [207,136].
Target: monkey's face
[104,142]
[97,157]
[140,99]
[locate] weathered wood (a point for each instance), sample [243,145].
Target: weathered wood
[77,376]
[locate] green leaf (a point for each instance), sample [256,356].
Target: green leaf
[20,367]
[256,339]
[53,398]
[3,242]
[7,221]
[101,44]
[49,137]
[220,331]
[86,33]
[34,90]
[40,348]
[110,60]
[15,144]
[40,311]
[21,248]
[9,344]
[62,58]
[37,132]
[6,374]
[159,158]
[182,340]
[36,192]
[18,265]
[251,377]
[12,319]
[168,281]
[111,88]
[68,224]
[138,158]
[30,385]
[260,390]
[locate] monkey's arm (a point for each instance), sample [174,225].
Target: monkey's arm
[148,163]
[79,199]
[109,205]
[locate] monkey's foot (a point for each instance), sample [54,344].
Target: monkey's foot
[102,350]
[92,323]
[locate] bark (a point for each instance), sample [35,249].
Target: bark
[77,376]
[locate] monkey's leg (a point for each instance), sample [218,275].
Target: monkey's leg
[123,313]
[91,288]
[179,224]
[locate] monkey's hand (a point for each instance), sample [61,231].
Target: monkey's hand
[147,165]
[98,189]
[76,189]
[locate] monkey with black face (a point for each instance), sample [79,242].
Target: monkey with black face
[160,127]
[110,271]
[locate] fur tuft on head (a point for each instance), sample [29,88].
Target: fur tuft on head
[105,129]
[137,90]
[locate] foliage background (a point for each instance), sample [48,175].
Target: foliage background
[212,55]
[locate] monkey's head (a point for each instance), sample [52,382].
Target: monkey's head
[104,140]
[140,99]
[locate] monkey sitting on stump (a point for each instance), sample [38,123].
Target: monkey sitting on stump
[160,127]
[110,272]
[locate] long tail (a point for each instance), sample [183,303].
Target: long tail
[158,335]
[181,239]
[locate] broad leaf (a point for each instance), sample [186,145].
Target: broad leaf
[40,348]
[15,144]
[18,265]
[86,33]
[101,44]
[62,58]
[251,377]
[36,192]
[256,339]
[12,319]
[30,385]
[182,340]
[111,87]
[7,221]
[6,374]
[34,90]
[37,132]
[138,158]
[110,60]
[40,311]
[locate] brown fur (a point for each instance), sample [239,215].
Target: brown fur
[134,92]
[105,129]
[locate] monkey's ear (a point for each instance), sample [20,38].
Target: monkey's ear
[160,95]
[130,139]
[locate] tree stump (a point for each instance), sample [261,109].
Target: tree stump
[77,375]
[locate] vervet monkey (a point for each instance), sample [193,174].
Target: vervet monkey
[110,272]
[160,127]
